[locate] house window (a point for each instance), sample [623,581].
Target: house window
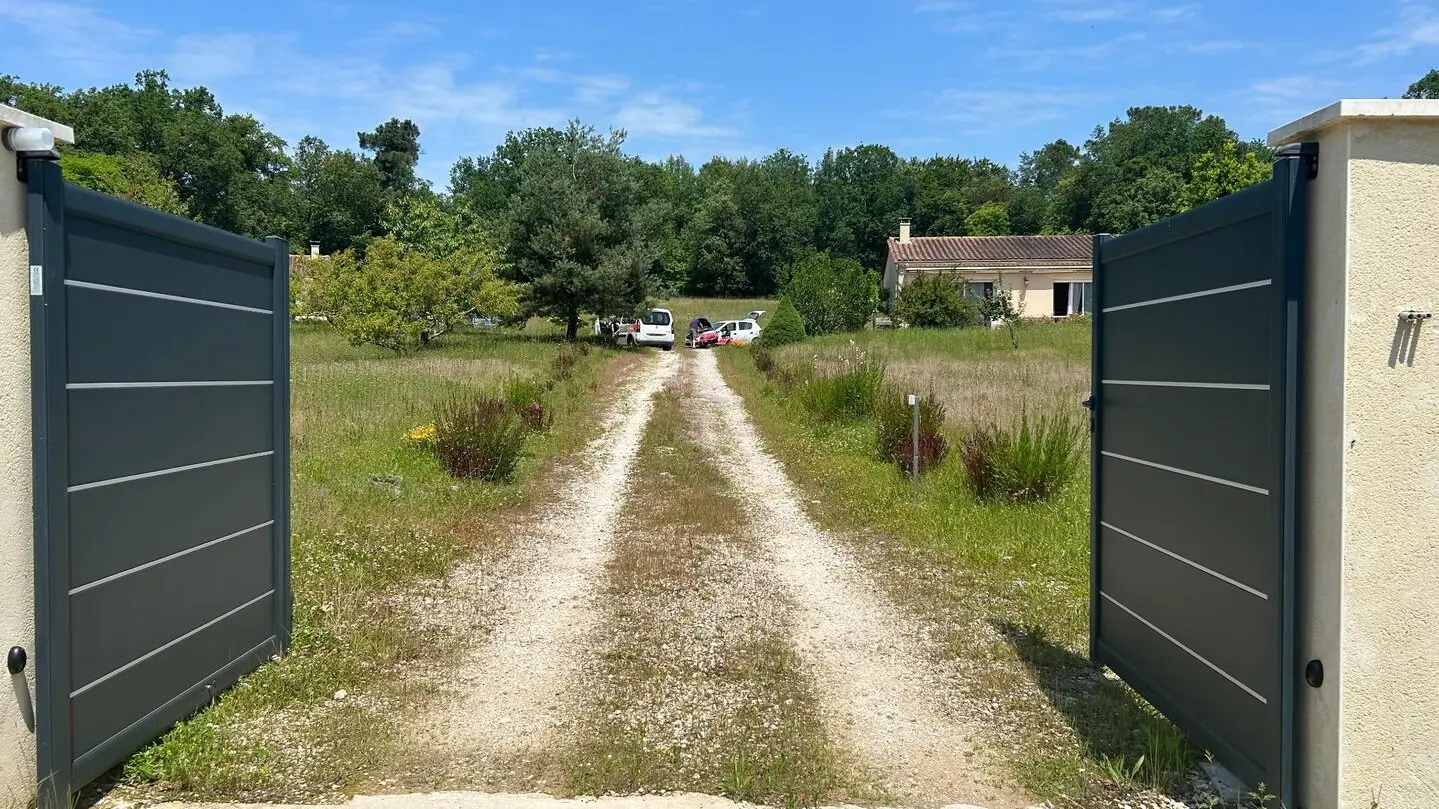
[981,289]
[1081,298]
[1073,298]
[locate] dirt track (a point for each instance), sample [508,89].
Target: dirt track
[576,634]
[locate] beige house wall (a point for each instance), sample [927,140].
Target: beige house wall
[1369,545]
[17,540]
[1033,291]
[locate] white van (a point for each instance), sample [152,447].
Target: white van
[655,328]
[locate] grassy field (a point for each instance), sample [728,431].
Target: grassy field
[374,519]
[1020,573]
[976,373]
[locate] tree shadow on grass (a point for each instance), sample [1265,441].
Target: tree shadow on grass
[1114,724]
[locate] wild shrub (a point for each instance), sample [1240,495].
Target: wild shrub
[563,365]
[934,302]
[1030,460]
[894,430]
[764,360]
[480,439]
[849,393]
[527,398]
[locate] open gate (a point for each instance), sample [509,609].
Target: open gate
[161,434]
[1195,379]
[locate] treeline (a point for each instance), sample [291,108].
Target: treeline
[726,227]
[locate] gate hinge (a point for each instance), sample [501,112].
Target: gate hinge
[1307,151]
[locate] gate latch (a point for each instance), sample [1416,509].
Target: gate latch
[15,663]
[1088,403]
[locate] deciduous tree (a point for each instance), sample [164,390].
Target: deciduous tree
[1427,86]
[1219,174]
[400,298]
[832,294]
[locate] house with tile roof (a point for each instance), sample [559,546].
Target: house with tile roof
[1049,276]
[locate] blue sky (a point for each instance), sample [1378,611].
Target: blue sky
[736,77]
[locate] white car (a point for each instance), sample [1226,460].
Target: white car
[655,328]
[742,330]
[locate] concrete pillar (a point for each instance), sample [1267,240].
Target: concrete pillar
[1368,551]
[17,539]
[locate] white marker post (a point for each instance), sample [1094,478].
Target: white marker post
[914,458]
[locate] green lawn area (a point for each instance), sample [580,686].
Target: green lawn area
[1014,577]
[374,518]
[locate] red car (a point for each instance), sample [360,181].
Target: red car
[704,335]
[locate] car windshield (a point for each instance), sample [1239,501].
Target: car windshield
[656,317]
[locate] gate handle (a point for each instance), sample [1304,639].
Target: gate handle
[15,662]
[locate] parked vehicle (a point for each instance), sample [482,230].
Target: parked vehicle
[712,338]
[740,331]
[699,324]
[755,315]
[654,328]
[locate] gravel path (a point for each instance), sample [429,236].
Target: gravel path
[876,682]
[518,683]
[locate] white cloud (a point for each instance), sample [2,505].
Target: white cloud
[461,107]
[1037,58]
[1176,13]
[1213,46]
[988,110]
[655,114]
[1090,14]
[1417,27]
[76,33]
[1285,98]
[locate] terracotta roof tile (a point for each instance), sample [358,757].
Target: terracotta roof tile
[1063,250]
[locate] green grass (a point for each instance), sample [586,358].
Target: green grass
[373,516]
[1022,569]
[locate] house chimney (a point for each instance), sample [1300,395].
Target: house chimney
[904,230]
[314,249]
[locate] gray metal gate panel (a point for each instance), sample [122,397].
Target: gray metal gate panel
[161,412]
[1195,423]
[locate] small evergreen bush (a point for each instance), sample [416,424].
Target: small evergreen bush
[1031,460]
[894,430]
[786,327]
[480,439]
